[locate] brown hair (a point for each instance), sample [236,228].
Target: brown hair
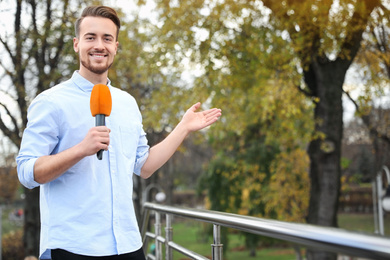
[98,11]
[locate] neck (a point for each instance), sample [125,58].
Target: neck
[93,77]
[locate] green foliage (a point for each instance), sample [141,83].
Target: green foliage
[244,66]
[345,163]
[143,70]
[288,194]
[237,177]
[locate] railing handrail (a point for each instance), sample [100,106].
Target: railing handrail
[311,236]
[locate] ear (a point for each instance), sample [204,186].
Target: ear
[76,44]
[116,47]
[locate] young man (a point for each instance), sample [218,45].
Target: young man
[86,204]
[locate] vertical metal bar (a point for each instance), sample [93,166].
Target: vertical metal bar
[157,227]
[375,206]
[145,222]
[144,229]
[380,209]
[298,254]
[217,246]
[168,237]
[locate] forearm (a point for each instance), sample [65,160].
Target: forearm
[160,153]
[50,167]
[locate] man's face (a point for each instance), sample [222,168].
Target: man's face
[96,45]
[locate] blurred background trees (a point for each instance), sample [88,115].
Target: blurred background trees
[277,69]
[243,49]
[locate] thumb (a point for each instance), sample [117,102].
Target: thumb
[195,107]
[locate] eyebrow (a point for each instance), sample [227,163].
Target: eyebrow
[94,34]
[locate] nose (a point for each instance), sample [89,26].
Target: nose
[99,44]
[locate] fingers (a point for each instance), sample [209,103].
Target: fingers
[213,117]
[98,138]
[103,137]
[212,113]
[103,129]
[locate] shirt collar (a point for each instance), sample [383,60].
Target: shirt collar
[84,84]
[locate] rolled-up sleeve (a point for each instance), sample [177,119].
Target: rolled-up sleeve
[39,138]
[142,153]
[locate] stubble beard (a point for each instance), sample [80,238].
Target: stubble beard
[95,69]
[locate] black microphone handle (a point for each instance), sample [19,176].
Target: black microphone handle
[100,120]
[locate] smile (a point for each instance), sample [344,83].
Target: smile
[98,55]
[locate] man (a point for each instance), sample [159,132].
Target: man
[86,204]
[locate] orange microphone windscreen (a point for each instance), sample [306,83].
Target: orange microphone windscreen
[101,102]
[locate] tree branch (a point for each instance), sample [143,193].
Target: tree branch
[13,120]
[363,10]
[352,100]
[366,118]
[61,43]
[9,51]
[12,135]
[304,91]
[7,71]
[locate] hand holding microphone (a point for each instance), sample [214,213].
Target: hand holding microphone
[100,104]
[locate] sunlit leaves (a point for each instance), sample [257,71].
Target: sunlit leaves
[291,184]
[245,67]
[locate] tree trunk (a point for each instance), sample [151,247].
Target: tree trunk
[326,80]
[31,222]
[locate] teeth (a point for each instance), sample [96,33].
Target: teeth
[98,55]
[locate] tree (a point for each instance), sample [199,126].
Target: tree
[263,115]
[313,42]
[326,41]
[373,67]
[161,101]
[36,56]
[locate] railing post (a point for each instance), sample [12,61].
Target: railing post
[157,227]
[217,246]
[168,237]
[375,205]
[379,201]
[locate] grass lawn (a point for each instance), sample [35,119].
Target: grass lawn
[189,235]
[363,223]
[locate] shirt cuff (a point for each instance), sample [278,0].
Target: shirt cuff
[26,174]
[139,163]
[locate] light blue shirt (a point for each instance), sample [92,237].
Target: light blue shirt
[89,209]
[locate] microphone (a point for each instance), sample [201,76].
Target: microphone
[101,104]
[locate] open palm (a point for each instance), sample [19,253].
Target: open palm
[194,121]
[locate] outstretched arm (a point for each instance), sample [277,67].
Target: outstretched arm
[191,121]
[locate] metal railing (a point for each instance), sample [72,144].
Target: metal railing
[310,236]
